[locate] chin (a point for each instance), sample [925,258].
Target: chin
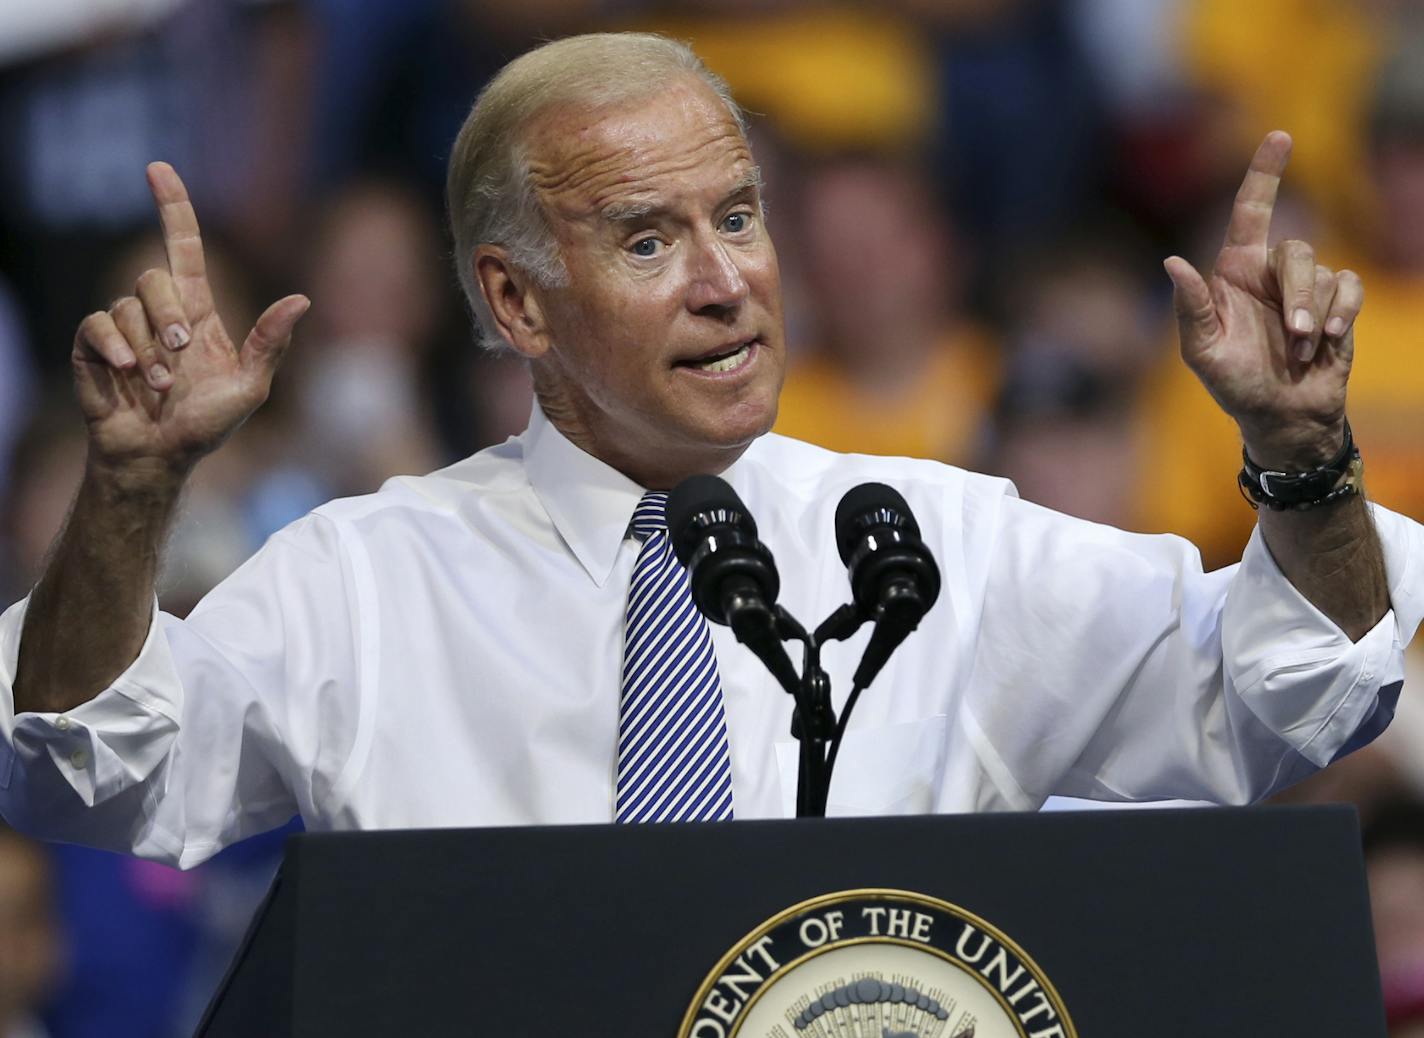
[744,421]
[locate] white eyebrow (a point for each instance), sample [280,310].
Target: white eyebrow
[752,178]
[617,212]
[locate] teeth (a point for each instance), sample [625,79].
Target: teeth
[729,362]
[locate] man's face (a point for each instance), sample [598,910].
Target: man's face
[666,350]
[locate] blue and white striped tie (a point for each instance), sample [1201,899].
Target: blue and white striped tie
[674,764]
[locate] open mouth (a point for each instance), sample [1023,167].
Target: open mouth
[720,363]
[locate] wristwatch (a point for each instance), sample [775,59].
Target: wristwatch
[1341,476]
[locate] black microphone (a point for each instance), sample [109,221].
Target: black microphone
[734,580]
[893,577]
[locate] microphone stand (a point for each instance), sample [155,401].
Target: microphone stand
[813,721]
[763,630]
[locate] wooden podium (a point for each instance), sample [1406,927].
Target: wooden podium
[1150,924]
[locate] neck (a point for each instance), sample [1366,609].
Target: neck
[670,465]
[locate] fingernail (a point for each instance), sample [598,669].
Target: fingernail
[158,373]
[176,336]
[126,358]
[1301,322]
[1303,350]
[1335,326]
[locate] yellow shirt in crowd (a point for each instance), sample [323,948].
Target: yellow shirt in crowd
[939,415]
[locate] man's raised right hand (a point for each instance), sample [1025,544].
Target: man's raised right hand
[158,378]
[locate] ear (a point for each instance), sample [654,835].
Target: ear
[513,299]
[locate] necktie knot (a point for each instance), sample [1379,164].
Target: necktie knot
[651,514]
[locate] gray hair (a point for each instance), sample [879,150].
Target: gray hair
[488,190]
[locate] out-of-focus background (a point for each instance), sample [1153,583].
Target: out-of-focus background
[971,200]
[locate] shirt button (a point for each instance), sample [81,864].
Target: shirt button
[79,758]
[62,723]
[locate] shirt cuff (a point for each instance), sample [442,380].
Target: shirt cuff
[1297,672]
[101,747]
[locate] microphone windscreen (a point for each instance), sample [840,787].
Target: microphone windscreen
[865,507]
[698,495]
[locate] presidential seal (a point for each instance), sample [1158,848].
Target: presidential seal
[876,964]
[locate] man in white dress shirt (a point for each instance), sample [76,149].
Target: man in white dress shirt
[448,650]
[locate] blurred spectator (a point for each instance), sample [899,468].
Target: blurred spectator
[1235,53]
[1084,292]
[29,30]
[1063,432]
[48,460]
[1387,384]
[1133,54]
[830,77]
[1081,331]
[496,394]
[150,944]
[30,948]
[1021,140]
[1162,161]
[394,81]
[215,86]
[895,367]
[130,932]
[357,377]
[1394,865]
[16,381]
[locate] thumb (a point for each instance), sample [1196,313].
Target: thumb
[1197,322]
[262,351]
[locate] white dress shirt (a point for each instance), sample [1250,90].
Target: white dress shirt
[448,652]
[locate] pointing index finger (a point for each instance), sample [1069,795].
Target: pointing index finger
[1256,199]
[181,239]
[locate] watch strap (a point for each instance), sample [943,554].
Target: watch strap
[1340,477]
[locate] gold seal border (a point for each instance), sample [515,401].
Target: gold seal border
[870,894]
[899,942]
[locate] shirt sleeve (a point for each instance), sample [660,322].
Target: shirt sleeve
[1110,666]
[222,727]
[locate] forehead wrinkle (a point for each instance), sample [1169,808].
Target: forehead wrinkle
[594,179]
[655,185]
[636,209]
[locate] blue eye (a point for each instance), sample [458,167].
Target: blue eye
[736,222]
[646,247]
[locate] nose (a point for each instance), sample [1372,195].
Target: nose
[715,284]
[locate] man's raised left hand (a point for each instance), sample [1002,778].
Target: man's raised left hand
[1271,333]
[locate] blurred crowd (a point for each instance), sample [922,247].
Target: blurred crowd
[971,200]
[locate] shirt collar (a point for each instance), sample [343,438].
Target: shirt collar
[589,502]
